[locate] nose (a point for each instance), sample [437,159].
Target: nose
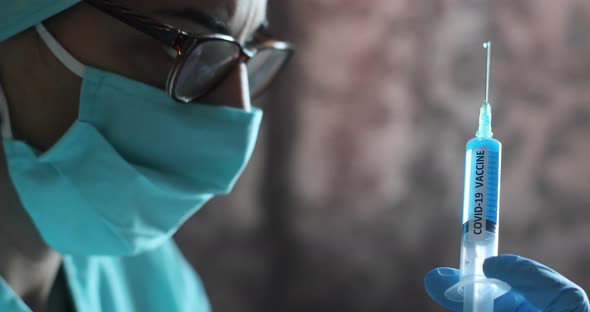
[233,90]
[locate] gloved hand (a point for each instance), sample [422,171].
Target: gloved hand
[535,287]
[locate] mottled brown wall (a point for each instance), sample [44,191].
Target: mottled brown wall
[355,190]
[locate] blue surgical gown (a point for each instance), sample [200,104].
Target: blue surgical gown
[158,280]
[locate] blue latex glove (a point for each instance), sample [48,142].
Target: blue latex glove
[535,287]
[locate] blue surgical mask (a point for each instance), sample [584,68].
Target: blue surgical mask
[133,166]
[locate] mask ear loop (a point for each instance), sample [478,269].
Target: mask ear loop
[69,61]
[5,128]
[60,53]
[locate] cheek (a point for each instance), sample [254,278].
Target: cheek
[133,54]
[101,41]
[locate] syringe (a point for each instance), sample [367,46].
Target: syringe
[480,214]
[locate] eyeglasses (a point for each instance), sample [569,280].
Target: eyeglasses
[203,61]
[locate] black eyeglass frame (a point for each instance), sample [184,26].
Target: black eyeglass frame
[183,43]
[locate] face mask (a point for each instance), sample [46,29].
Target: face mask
[133,166]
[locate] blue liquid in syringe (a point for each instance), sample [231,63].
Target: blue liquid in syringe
[482,184]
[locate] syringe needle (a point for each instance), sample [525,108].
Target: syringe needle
[485,114]
[487,46]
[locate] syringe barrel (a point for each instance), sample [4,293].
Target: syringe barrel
[480,204]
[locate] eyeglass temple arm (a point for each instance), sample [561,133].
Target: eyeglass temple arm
[162,32]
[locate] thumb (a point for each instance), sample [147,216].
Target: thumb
[437,282]
[541,286]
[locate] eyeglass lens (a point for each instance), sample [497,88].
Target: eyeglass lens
[263,68]
[204,66]
[210,61]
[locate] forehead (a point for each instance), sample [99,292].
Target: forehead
[242,17]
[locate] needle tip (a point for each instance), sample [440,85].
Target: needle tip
[487,45]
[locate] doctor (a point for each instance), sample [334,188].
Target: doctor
[119,120]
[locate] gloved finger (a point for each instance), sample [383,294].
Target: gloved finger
[437,282]
[541,286]
[512,301]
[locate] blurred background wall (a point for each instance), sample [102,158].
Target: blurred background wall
[355,189]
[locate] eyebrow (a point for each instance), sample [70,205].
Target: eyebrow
[206,20]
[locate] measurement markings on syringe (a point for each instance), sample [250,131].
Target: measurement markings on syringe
[477,220]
